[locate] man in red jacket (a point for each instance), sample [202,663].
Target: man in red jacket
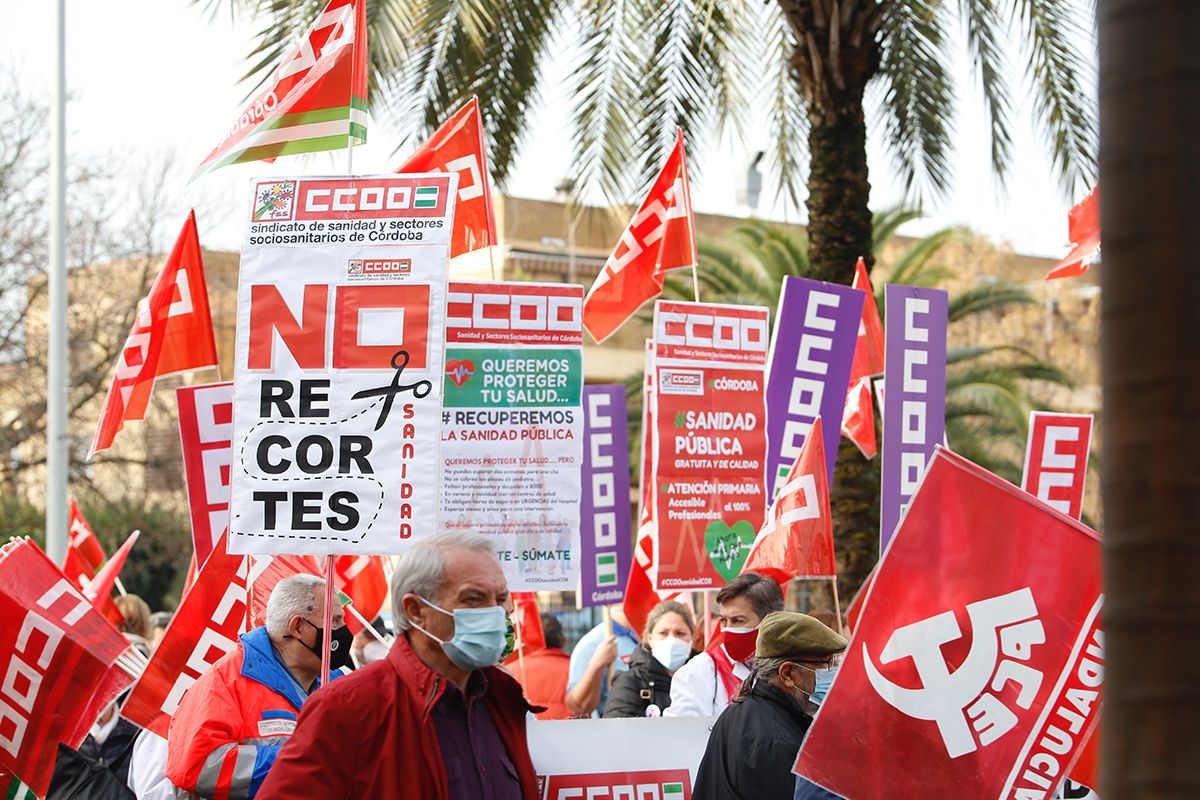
[435,720]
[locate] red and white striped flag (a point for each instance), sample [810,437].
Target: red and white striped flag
[858,419]
[172,333]
[796,540]
[315,100]
[660,237]
[458,146]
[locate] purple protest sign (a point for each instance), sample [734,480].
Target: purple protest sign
[808,370]
[914,405]
[606,533]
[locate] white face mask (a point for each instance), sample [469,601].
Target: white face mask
[672,653]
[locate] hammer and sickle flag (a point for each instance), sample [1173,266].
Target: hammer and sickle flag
[976,667]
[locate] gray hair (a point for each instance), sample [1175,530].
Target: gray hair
[765,669]
[295,595]
[420,569]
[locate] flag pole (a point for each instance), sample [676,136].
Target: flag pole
[56,357]
[695,283]
[520,647]
[837,607]
[327,622]
[379,637]
[707,617]
[610,673]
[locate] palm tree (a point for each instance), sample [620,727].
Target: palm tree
[1151,488]
[990,389]
[639,68]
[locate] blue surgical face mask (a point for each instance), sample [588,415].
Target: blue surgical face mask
[478,639]
[672,653]
[824,679]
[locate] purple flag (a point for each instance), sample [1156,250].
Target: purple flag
[816,329]
[606,532]
[914,405]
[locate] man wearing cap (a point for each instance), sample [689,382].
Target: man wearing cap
[754,743]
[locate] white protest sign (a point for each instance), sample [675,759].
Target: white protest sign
[337,389]
[618,759]
[512,428]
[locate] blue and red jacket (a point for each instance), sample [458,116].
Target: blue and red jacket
[232,722]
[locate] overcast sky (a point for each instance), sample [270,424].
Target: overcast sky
[156,76]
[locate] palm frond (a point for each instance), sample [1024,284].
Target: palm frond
[913,266]
[1061,77]
[919,91]
[788,119]
[988,297]
[985,32]
[885,224]
[606,77]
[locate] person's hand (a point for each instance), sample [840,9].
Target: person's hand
[606,653]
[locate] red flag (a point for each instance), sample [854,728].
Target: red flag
[640,596]
[1083,227]
[458,146]
[83,540]
[266,571]
[59,658]
[316,99]
[102,585]
[660,237]
[858,419]
[204,628]
[854,610]
[797,539]
[1056,459]
[172,333]
[528,622]
[978,661]
[365,580]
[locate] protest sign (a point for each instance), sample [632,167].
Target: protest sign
[1056,459]
[206,434]
[605,533]
[59,663]
[205,627]
[808,370]
[339,352]
[914,405]
[512,433]
[709,440]
[618,759]
[978,666]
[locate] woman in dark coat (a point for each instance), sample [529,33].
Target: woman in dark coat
[666,646]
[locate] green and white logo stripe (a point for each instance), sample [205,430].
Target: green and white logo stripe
[305,132]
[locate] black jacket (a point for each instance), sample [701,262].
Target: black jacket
[752,748]
[117,750]
[646,681]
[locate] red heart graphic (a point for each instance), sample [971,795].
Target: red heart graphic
[460,371]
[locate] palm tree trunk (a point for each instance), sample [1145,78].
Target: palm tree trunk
[839,219]
[1150,171]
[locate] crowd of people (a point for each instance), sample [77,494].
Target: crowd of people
[436,714]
